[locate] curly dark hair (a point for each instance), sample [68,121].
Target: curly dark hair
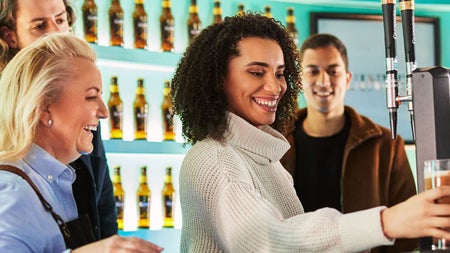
[197,92]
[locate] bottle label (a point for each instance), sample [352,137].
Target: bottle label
[141,118]
[119,206]
[140,29]
[168,206]
[116,27]
[168,120]
[115,114]
[167,32]
[290,19]
[90,23]
[194,30]
[165,4]
[144,207]
[193,8]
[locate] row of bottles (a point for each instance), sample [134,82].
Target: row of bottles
[140,112]
[166,21]
[140,23]
[144,199]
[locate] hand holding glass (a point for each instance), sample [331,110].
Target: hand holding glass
[437,173]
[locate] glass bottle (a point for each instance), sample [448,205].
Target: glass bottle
[267,11]
[194,25]
[115,107]
[166,22]
[290,25]
[241,10]
[140,25]
[217,12]
[168,194]
[166,108]
[119,196]
[140,108]
[144,200]
[116,23]
[89,10]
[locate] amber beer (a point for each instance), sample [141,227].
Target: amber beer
[115,108]
[217,12]
[119,196]
[140,108]
[89,10]
[115,24]
[167,114]
[168,196]
[290,25]
[267,11]
[144,200]
[140,25]
[436,174]
[240,10]
[166,22]
[194,25]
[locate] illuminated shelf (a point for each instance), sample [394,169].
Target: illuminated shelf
[168,238]
[139,57]
[145,147]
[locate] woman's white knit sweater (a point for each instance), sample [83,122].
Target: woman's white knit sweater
[236,197]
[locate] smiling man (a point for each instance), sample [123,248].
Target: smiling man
[339,158]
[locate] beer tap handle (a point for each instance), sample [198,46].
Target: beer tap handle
[389,21]
[407,13]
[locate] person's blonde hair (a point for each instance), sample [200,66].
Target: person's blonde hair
[31,81]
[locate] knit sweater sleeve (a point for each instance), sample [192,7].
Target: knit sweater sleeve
[224,210]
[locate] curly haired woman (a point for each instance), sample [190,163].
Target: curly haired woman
[234,89]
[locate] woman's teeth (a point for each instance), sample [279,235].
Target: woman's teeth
[90,128]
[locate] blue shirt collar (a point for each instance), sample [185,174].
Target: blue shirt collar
[47,166]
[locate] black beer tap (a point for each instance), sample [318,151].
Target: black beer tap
[407,14]
[390,36]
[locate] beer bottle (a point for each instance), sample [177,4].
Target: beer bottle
[168,194]
[241,10]
[144,200]
[90,21]
[140,25]
[194,25]
[119,196]
[166,22]
[167,116]
[115,107]
[116,24]
[267,12]
[217,12]
[290,25]
[140,107]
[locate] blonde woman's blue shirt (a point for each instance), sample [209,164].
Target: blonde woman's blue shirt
[25,226]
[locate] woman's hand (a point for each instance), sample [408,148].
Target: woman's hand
[117,243]
[419,216]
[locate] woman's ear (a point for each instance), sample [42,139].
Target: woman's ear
[46,118]
[8,36]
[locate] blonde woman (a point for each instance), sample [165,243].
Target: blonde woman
[50,102]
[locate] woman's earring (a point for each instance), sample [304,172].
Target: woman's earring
[49,122]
